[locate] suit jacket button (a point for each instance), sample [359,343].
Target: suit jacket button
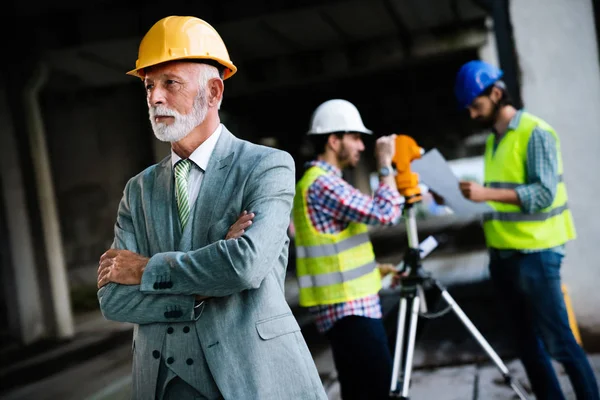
[186,329]
[170,330]
[189,361]
[155,286]
[156,354]
[170,360]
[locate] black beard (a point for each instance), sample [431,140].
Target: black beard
[344,158]
[487,123]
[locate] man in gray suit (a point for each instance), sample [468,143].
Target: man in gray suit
[204,286]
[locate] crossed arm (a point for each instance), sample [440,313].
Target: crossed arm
[219,269]
[127,267]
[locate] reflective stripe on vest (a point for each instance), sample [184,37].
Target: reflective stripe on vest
[522,217]
[510,185]
[335,277]
[331,268]
[507,226]
[332,249]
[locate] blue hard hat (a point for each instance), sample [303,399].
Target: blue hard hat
[472,80]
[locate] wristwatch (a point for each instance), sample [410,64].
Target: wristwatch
[385,171]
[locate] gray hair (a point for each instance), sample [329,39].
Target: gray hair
[208,72]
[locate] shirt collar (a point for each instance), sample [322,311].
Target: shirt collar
[325,166]
[515,120]
[512,125]
[202,154]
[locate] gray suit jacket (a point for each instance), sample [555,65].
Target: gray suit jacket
[247,334]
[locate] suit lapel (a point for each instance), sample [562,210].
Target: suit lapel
[162,209]
[213,183]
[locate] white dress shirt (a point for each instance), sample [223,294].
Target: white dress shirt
[199,159]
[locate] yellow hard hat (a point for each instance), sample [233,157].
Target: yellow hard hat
[182,38]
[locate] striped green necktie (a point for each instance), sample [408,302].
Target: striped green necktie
[182,171]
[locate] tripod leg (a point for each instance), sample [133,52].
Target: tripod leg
[412,333]
[485,345]
[399,344]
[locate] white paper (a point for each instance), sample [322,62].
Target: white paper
[435,172]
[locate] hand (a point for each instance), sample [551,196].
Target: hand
[397,278]
[385,148]
[437,198]
[385,269]
[121,266]
[239,227]
[473,191]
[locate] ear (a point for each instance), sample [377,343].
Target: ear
[333,142]
[215,91]
[496,94]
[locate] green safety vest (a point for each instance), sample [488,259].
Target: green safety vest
[508,227]
[331,268]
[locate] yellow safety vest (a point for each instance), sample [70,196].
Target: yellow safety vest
[331,268]
[508,227]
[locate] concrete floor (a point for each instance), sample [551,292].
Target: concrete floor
[107,377]
[473,382]
[448,362]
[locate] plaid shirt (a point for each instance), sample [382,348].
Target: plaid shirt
[542,176]
[332,204]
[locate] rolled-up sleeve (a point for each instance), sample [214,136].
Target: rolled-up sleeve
[542,172]
[337,199]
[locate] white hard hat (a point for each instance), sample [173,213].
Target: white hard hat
[337,116]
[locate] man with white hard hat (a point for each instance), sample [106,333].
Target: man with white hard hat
[337,273]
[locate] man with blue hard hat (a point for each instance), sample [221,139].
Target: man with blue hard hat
[527,231]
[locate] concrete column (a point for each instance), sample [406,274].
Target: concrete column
[560,76]
[21,282]
[489,51]
[59,288]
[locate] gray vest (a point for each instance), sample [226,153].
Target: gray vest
[182,353]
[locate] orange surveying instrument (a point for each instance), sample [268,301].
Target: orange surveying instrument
[415,279]
[407,181]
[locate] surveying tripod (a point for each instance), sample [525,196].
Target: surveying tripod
[415,279]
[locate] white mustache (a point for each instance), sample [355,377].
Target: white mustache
[163,111]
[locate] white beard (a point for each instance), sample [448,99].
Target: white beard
[183,124]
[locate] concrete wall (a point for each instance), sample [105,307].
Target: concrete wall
[97,140]
[558,57]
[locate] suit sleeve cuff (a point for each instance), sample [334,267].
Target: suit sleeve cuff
[157,277]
